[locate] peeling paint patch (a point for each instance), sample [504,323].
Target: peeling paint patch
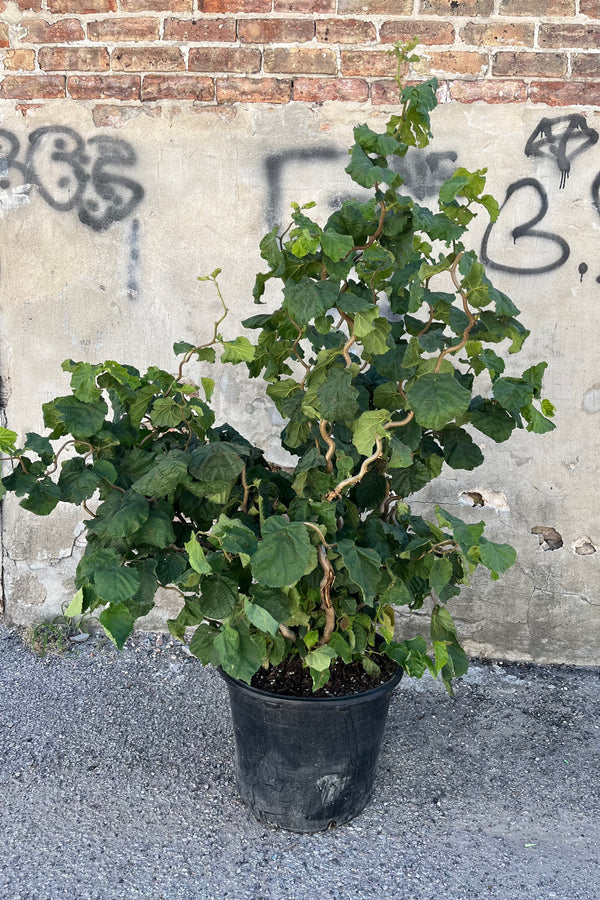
[118,116]
[550,539]
[583,546]
[591,400]
[487,499]
[13,198]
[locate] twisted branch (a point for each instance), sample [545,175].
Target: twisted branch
[325,586]
[336,492]
[330,444]
[468,312]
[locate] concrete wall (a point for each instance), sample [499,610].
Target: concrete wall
[105,222]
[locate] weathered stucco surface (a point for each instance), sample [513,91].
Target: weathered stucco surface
[107,218]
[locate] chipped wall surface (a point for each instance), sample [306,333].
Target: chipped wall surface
[108,215]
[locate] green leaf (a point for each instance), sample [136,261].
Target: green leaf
[536,421]
[437,399]
[466,535]
[8,438]
[440,574]
[68,415]
[283,554]
[368,426]
[496,557]
[337,396]
[460,451]
[364,568]
[83,382]
[120,515]
[162,479]
[512,393]
[166,413]
[202,644]
[238,350]
[306,300]
[219,596]
[118,623]
[489,418]
[196,556]
[77,482]
[43,497]
[273,600]
[320,659]
[75,607]
[260,618]
[215,462]
[114,582]
[336,246]
[442,625]
[237,653]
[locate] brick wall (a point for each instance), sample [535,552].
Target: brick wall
[275,51]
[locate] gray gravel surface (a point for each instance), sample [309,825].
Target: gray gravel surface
[116,782]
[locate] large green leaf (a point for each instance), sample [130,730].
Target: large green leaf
[219,595]
[260,618]
[337,396]
[162,479]
[68,415]
[118,623]
[77,481]
[496,557]
[368,426]
[237,652]
[437,399]
[233,536]
[202,644]
[364,567]
[492,420]
[336,246]
[307,299]
[440,574]
[8,438]
[157,530]
[215,462]
[460,451]
[512,393]
[283,554]
[166,413]
[120,515]
[115,583]
[273,600]
[43,497]
[196,556]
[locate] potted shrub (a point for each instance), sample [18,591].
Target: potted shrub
[289,578]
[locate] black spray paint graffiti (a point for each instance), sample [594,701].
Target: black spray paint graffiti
[423,175]
[73,174]
[563,139]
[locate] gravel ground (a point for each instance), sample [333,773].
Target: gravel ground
[116,782]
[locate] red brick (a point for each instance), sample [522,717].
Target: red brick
[464,62]
[236,6]
[115,31]
[82,7]
[32,87]
[585,65]
[511,33]
[541,65]
[104,87]
[32,5]
[587,36]
[345,31]
[305,62]
[316,7]
[488,91]
[147,59]
[590,8]
[157,5]
[317,90]
[375,7]
[15,60]
[200,30]
[75,59]
[65,31]
[4,41]
[425,32]
[457,7]
[178,87]
[253,90]
[224,59]
[538,8]
[368,63]
[565,93]
[275,31]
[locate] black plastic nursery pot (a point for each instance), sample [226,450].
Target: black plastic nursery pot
[306,764]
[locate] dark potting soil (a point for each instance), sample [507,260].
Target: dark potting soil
[291,679]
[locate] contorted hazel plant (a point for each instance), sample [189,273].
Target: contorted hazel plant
[384,320]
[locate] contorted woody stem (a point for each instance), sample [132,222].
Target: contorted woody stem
[468,312]
[336,492]
[330,444]
[325,586]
